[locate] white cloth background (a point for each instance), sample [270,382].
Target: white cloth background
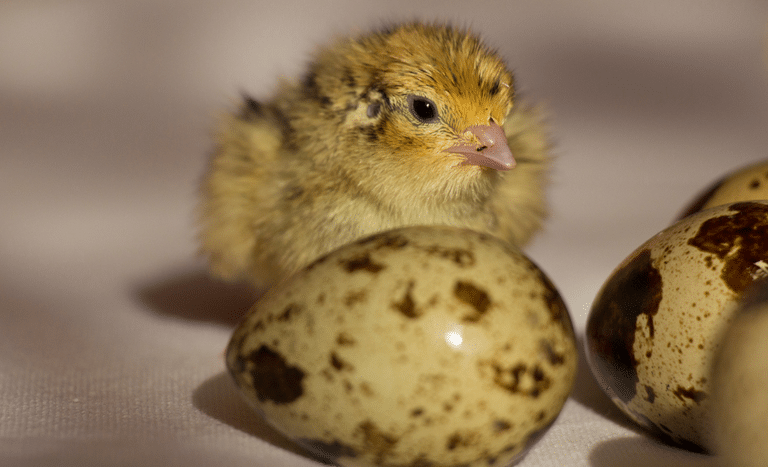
[111,337]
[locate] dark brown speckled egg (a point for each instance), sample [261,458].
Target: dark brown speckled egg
[423,346]
[653,328]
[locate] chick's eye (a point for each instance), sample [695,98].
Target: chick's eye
[422,108]
[373,110]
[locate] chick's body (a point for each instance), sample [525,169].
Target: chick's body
[400,127]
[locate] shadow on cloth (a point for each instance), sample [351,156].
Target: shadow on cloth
[640,451]
[219,398]
[588,393]
[194,295]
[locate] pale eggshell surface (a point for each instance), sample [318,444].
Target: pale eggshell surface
[746,184]
[740,382]
[422,346]
[653,329]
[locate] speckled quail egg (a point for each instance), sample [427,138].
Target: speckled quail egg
[740,384]
[746,184]
[652,331]
[422,346]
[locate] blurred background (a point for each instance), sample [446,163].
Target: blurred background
[110,333]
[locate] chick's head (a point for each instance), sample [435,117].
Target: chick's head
[422,102]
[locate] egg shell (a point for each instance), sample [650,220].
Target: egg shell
[652,330]
[422,346]
[746,184]
[740,385]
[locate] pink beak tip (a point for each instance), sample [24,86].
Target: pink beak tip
[493,151]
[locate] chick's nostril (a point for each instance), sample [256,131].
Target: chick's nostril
[489,148]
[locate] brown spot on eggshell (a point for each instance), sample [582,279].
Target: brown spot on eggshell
[366,389]
[385,240]
[633,290]
[541,381]
[461,439]
[501,425]
[520,379]
[453,441]
[474,296]
[650,395]
[257,327]
[406,305]
[422,461]
[273,379]
[362,263]
[288,312]
[376,441]
[345,340]
[236,364]
[339,364]
[354,297]
[740,240]
[690,394]
[460,256]
[553,357]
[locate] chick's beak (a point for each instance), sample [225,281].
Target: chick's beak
[491,150]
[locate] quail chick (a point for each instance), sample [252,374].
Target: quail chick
[412,125]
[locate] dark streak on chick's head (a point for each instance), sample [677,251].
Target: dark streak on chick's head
[312,89]
[374,78]
[466,79]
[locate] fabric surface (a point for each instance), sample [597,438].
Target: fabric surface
[111,334]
